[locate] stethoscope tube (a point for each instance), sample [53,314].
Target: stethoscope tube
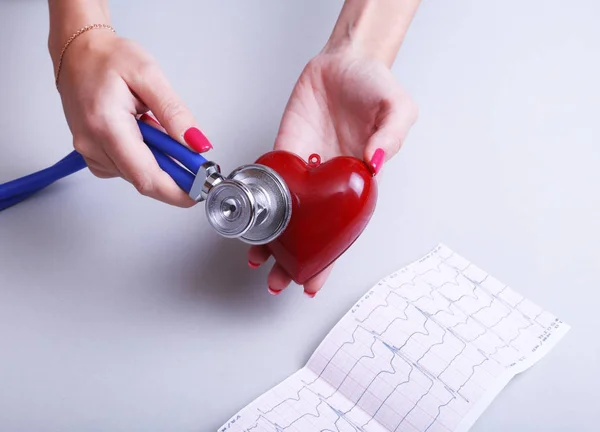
[19,190]
[233,203]
[184,179]
[168,146]
[160,144]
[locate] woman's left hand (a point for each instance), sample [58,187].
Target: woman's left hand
[342,104]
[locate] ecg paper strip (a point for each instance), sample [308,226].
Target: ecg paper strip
[427,349]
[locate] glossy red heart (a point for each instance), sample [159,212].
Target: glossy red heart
[332,203]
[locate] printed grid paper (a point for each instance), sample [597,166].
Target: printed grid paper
[427,349]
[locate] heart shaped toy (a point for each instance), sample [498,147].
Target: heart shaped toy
[332,203]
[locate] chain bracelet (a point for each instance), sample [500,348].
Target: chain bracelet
[72,38]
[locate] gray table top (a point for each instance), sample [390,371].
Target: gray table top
[121,313]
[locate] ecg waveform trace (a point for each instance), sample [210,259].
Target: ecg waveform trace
[426,349]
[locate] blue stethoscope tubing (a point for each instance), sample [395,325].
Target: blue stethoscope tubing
[167,152]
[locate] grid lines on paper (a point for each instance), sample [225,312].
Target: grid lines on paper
[414,354]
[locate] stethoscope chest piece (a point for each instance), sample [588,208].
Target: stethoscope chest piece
[253,204]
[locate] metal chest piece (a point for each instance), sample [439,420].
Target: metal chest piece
[253,203]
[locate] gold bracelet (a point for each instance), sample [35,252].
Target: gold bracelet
[72,38]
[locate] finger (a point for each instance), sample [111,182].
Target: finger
[391,133]
[314,285]
[99,170]
[150,120]
[257,256]
[94,154]
[138,166]
[139,107]
[100,173]
[278,280]
[153,88]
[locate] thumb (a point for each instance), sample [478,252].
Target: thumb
[389,137]
[156,93]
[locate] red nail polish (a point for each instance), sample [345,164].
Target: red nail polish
[377,160]
[310,295]
[196,140]
[253,264]
[148,117]
[274,292]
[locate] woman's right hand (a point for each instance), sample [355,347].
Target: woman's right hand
[105,83]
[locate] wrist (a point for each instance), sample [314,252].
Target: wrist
[372,28]
[345,44]
[69,16]
[84,47]
[350,31]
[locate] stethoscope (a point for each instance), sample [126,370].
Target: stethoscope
[252,204]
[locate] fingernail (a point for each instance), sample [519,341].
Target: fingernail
[274,292]
[196,140]
[253,264]
[310,295]
[377,160]
[148,117]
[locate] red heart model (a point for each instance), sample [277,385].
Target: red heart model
[332,204]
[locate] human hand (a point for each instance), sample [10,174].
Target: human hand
[342,104]
[105,83]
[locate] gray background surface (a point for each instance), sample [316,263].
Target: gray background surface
[118,313]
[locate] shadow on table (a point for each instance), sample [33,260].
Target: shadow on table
[222,276]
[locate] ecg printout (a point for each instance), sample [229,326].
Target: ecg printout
[427,349]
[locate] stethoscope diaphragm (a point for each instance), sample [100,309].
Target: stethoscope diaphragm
[253,204]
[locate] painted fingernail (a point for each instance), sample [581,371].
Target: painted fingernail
[377,160]
[253,264]
[149,118]
[274,292]
[196,140]
[310,295]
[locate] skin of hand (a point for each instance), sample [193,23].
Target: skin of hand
[105,83]
[344,103]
